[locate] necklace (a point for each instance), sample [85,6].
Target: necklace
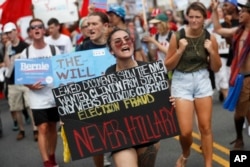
[197,42]
[195,45]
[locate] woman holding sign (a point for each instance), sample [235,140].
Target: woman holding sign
[121,46]
[193,51]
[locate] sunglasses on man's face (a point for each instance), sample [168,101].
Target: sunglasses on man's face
[119,41]
[40,26]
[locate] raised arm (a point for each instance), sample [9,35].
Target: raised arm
[174,52]
[225,32]
[214,58]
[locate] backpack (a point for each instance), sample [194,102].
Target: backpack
[52,49]
[169,73]
[183,34]
[207,36]
[168,37]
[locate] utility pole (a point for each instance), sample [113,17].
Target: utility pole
[154,3]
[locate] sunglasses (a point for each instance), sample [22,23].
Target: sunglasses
[40,26]
[119,41]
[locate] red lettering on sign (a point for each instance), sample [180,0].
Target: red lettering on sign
[151,127]
[109,135]
[86,138]
[115,136]
[167,117]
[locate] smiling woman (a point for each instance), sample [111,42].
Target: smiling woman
[121,46]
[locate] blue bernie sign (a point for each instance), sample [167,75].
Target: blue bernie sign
[64,69]
[30,71]
[101,4]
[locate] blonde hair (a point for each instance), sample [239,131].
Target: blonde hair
[82,20]
[165,26]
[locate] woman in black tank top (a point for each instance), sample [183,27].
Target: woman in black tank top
[121,46]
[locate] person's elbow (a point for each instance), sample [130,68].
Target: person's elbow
[216,30]
[216,67]
[168,64]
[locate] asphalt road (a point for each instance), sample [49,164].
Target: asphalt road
[25,153]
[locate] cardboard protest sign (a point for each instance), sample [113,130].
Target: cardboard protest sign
[78,66]
[206,3]
[116,111]
[63,69]
[30,71]
[181,5]
[100,4]
[65,11]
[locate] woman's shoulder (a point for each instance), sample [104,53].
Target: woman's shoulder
[110,69]
[141,63]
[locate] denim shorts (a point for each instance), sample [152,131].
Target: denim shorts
[191,85]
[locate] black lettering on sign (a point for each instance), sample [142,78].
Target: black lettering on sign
[117,111]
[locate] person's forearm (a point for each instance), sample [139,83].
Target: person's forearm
[162,48]
[215,19]
[6,60]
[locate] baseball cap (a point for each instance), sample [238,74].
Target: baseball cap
[118,10]
[9,27]
[160,17]
[247,5]
[233,2]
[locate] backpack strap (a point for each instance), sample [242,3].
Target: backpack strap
[52,49]
[169,35]
[182,33]
[27,52]
[157,37]
[207,34]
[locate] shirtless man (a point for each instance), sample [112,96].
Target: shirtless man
[240,63]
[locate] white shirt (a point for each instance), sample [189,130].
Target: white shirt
[162,39]
[63,43]
[43,98]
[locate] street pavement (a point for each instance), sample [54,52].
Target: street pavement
[25,153]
